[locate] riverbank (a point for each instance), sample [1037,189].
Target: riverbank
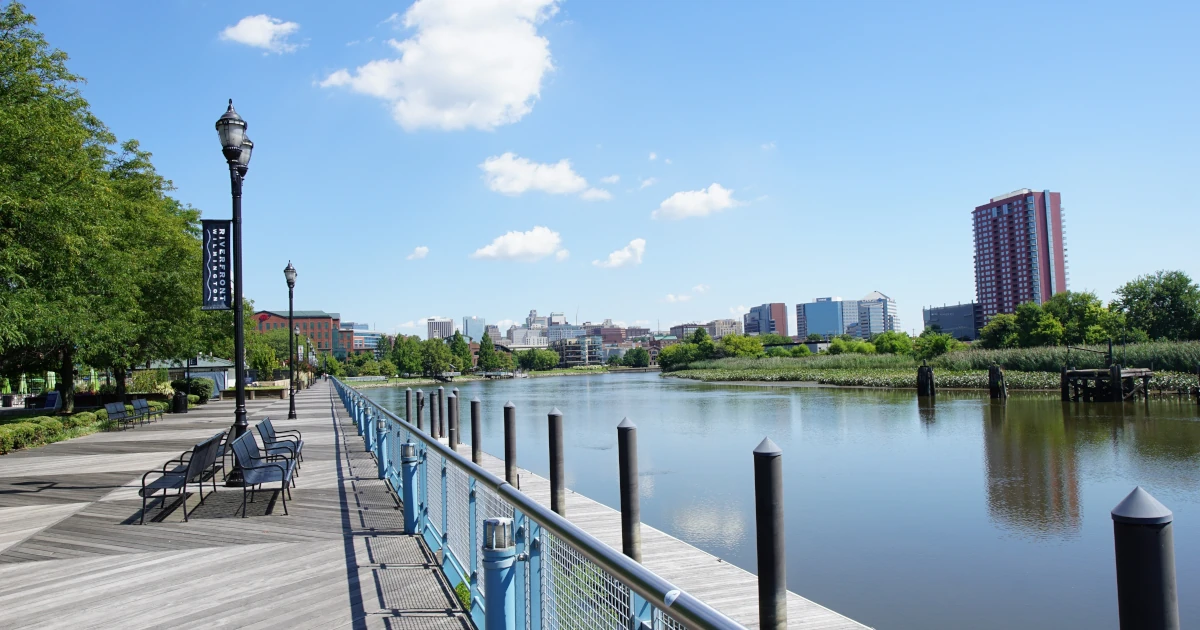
[896,378]
[412,382]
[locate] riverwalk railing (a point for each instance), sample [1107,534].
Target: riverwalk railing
[524,566]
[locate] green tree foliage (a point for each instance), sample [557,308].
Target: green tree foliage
[461,352]
[370,367]
[1082,315]
[435,357]
[776,351]
[893,343]
[636,357]
[1000,332]
[676,356]
[740,346]
[932,344]
[814,337]
[406,354]
[613,360]
[488,361]
[261,357]
[801,351]
[535,359]
[841,345]
[1164,304]
[773,339]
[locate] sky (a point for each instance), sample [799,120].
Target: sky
[653,162]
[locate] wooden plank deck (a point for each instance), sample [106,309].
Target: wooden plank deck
[72,555]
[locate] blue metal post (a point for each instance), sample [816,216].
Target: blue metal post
[533,547]
[473,536]
[408,461]
[368,431]
[445,525]
[381,442]
[499,566]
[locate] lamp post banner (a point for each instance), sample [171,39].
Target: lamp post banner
[218,295]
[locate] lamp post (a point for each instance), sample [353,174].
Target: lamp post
[236,147]
[289,274]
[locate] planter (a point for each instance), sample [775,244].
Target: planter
[6,400]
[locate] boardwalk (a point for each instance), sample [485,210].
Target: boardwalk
[72,555]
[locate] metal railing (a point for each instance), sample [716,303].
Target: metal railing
[565,577]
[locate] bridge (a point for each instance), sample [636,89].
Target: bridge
[388,526]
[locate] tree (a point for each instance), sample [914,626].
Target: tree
[1082,315]
[776,351]
[545,359]
[488,361]
[261,358]
[892,342]
[435,357]
[1000,332]
[814,337]
[773,339]
[1165,304]
[676,356]
[370,367]
[460,350]
[933,344]
[801,351]
[406,354]
[740,346]
[637,358]
[613,360]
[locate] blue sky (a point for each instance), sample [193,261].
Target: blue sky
[718,154]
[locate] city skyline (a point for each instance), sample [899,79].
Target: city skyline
[638,200]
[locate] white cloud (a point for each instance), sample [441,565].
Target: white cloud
[671,297]
[700,288]
[768,146]
[627,256]
[641,322]
[738,310]
[530,246]
[648,182]
[504,324]
[407,324]
[611,179]
[666,160]
[596,194]
[468,65]
[696,203]
[653,156]
[262,31]
[562,255]
[511,174]
[418,253]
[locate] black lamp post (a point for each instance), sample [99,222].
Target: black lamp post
[236,147]
[289,273]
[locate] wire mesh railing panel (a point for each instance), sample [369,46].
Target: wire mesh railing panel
[663,621]
[433,471]
[578,594]
[458,516]
[488,504]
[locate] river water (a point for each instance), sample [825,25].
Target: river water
[963,514]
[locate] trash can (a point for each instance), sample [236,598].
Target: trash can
[179,404]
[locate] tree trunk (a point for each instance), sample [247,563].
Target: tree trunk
[119,377]
[66,383]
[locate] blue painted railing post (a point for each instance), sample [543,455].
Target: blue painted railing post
[533,548]
[473,536]
[408,484]
[499,567]
[522,525]
[368,431]
[381,449]
[445,524]
[423,512]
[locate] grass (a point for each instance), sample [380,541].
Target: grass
[1182,356]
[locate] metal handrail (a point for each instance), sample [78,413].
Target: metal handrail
[685,608]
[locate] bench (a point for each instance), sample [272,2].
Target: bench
[258,469]
[292,438]
[192,466]
[143,409]
[118,414]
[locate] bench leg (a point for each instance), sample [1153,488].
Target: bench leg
[243,501]
[143,506]
[183,500]
[283,495]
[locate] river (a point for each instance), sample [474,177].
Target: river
[963,514]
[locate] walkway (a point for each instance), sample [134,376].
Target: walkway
[72,555]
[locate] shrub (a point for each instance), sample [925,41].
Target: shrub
[1164,355]
[18,435]
[101,414]
[202,387]
[81,419]
[53,427]
[193,400]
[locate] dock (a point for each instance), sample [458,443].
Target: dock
[72,554]
[1112,384]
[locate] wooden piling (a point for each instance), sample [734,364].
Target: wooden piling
[925,386]
[997,388]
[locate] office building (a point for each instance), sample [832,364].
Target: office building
[718,328]
[473,328]
[826,316]
[876,314]
[607,331]
[633,332]
[961,321]
[1020,252]
[527,337]
[559,332]
[439,328]
[325,329]
[493,331]
[585,350]
[556,319]
[768,318]
[371,341]
[533,321]
[685,331]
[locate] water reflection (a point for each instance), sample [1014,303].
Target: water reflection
[1032,472]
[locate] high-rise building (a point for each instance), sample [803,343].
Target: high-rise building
[877,314]
[684,331]
[533,321]
[1020,252]
[473,327]
[439,328]
[493,331]
[636,331]
[961,321]
[556,319]
[828,317]
[557,332]
[718,328]
[768,318]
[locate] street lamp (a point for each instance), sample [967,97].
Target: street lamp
[289,274]
[236,147]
